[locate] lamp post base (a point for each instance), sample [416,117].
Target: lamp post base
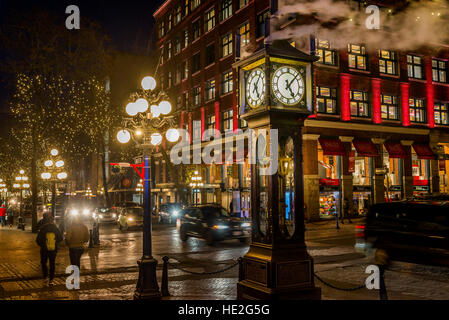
[147,287]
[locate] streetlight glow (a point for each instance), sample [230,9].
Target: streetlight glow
[132,109]
[48,163]
[142,105]
[148,83]
[155,110]
[21,171]
[156,139]
[165,107]
[54,152]
[46,175]
[123,136]
[172,135]
[62,175]
[60,163]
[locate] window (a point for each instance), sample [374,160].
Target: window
[186,69]
[388,62]
[196,30]
[197,95]
[178,15]
[161,29]
[389,107]
[178,102]
[227,120]
[169,79]
[196,63]
[186,8]
[357,56]
[162,55]
[169,50]
[326,54]
[186,38]
[261,23]
[178,76]
[196,130]
[194,4]
[226,82]
[226,9]
[170,22]
[441,113]
[243,3]
[177,45]
[244,34]
[210,54]
[211,122]
[326,100]
[209,22]
[415,67]
[226,45]
[162,82]
[439,69]
[210,89]
[417,110]
[359,104]
[185,99]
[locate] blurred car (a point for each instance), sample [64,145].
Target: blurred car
[169,212]
[212,223]
[85,213]
[130,217]
[105,215]
[411,231]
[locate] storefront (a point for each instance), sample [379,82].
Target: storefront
[421,168]
[330,198]
[443,167]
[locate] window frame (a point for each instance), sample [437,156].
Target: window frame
[439,69]
[208,89]
[246,36]
[227,9]
[210,60]
[393,61]
[419,108]
[388,106]
[363,54]
[196,29]
[196,62]
[229,44]
[324,50]
[365,102]
[208,19]
[412,64]
[260,25]
[227,79]
[209,123]
[196,95]
[439,111]
[332,96]
[228,118]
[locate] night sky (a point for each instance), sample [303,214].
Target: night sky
[128,23]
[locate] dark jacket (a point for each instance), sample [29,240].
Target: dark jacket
[48,231]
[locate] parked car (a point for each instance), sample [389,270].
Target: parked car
[412,231]
[169,212]
[130,217]
[212,223]
[105,215]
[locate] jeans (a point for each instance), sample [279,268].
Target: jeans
[75,256]
[2,220]
[51,256]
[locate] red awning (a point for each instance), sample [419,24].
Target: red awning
[423,151]
[395,150]
[332,147]
[417,182]
[365,148]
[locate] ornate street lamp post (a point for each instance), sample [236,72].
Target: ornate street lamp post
[139,189]
[21,184]
[55,173]
[150,119]
[196,183]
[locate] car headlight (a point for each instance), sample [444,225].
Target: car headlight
[219,227]
[74,212]
[94,215]
[86,212]
[101,216]
[175,213]
[130,219]
[114,215]
[246,225]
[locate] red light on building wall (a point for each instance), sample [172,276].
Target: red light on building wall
[217,116]
[203,121]
[430,93]
[345,87]
[375,88]
[405,104]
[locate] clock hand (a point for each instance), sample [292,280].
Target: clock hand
[287,87]
[255,89]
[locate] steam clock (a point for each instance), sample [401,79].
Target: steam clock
[275,96]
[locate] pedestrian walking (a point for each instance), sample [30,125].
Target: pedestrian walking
[48,239]
[10,216]
[347,211]
[41,222]
[76,237]
[2,214]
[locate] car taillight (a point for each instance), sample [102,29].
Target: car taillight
[360,231]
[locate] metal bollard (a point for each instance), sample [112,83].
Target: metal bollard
[91,243]
[382,289]
[241,273]
[97,235]
[164,285]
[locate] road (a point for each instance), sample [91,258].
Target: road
[109,271]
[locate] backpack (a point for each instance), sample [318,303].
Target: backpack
[50,241]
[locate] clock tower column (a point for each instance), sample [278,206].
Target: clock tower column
[277,265]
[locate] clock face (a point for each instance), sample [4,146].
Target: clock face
[288,85]
[255,87]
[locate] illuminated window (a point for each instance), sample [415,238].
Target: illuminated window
[359,104]
[186,38]
[243,3]
[226,45]
[226,82]
[161,29]
[441,113]
[415,67]
[439,70]
[186,8]
[226,9]
[389,107]
[244,33]
[209,22]
[228,120]
[170,22]
[178,15]
[388,62]
[326,100]
[417,110]
[211,122]
[177,45]
[196,30]
[185,74]
[210,89]
[325,53]
[357,56]
[197,95]
[194,4]
[169,50]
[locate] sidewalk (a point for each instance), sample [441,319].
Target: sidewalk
[20,272]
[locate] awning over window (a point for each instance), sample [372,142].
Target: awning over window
[395,150]
[423,151]
[365,148]
[332,147]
